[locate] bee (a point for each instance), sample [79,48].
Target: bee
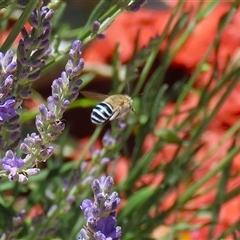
[111,108]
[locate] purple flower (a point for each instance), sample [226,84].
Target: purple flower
[32,171]
[95,28]
[75,63]
[136,5]
[109,141]
[35,149]
[101,214]
[65,89]
[16,224]
[6,86]
[107,227]
[7,63]
[31,142]
[100,36]
[76,52]
[105,160]
[16,78]
[33,49]
[7,110]
[103,185]
[11,163]
[9,122]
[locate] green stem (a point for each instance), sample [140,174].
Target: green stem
[19,25]
[90,142]
[191,190]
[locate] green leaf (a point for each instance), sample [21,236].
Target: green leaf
[135,201]
[83,103]
[168,135]
[19,25]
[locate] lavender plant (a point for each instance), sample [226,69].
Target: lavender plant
[47,205]
[101,214]
[33,50]
[17,74]
[16,80]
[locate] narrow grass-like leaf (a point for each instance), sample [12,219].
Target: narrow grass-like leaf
[168,135]
[220,197]
[191,190]
[135,201]
[235,227]
[152,102]
[19,25]
[101,8]
[138,169]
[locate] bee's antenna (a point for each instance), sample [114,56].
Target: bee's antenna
[139,94]
[134,97]
[134,111]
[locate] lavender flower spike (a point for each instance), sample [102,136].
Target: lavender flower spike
[101,214]
[33,49]
[9,104]
[65,90]
[75,63]
[11,164]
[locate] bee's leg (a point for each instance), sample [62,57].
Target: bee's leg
[134,111]
[115,115]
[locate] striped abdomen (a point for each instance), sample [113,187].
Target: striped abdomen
[101,113]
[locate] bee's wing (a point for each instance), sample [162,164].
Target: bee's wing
[93,95]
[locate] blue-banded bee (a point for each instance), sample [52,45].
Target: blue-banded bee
[112,107]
